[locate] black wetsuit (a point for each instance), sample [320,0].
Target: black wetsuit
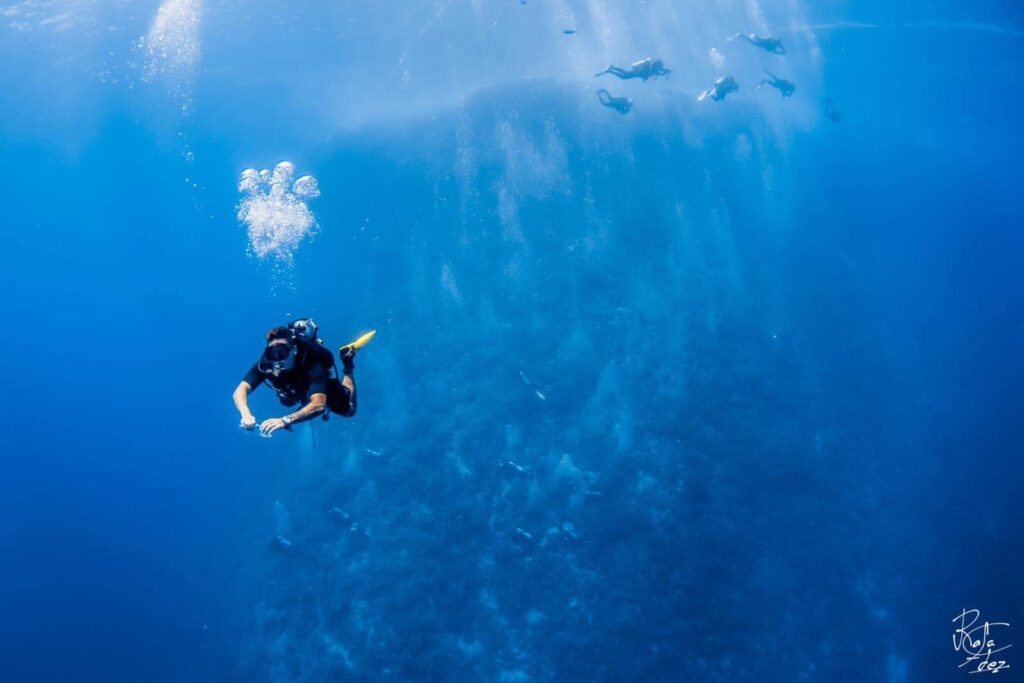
[313,374]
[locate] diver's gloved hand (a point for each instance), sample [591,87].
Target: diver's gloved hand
[248,422]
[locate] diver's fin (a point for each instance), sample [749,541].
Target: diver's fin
[354,346]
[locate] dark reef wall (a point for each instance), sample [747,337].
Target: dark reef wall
[601,436]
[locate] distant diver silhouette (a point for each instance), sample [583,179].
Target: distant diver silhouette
[619,104]
[780,84]
[769,43]
[718,92]
[643,69]
[830,110]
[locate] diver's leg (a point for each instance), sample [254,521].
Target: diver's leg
[349,382]
[342,397]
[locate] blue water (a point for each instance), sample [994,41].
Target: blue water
[709,391]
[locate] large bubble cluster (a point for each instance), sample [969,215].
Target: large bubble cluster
[274,210]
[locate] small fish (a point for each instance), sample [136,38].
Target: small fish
[568,31]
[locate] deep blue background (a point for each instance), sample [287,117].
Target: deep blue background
[794,374]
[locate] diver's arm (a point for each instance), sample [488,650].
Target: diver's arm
[241,399]
[317,404]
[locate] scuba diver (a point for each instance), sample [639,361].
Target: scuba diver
[301,370]
[780,84]
[718,92]
[831,112]
[643,69]
[619,104]
[769,43]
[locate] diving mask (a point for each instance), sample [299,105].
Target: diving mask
[280,357]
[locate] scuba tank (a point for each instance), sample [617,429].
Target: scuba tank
[307,328]
[304,335]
